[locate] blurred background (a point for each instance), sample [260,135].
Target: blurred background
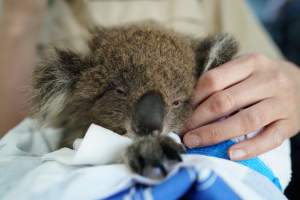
[281,18]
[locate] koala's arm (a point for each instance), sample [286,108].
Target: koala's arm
[53,79]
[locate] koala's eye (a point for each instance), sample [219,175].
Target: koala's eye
[120,91]
[177,103]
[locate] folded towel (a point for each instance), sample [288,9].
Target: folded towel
[220,150]
[190,184]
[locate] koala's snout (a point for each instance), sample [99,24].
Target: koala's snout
[148,114]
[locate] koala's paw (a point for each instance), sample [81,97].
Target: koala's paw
[153,152]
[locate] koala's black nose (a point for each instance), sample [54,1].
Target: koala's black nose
[148,114]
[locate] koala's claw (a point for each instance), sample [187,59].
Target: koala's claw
[153,152]
[163,169]
[173,153]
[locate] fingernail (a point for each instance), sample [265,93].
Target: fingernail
[237,154]
[191,140]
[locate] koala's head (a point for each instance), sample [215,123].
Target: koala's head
[137,79]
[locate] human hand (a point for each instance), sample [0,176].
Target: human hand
[256,92]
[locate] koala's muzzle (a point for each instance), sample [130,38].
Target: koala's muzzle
[148,114]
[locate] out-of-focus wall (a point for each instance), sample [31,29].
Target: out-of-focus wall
[282,19]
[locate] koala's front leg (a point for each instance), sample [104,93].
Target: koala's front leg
[151,152]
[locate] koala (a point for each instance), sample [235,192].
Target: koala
[136,80]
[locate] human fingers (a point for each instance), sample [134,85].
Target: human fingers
[224,76]
[241,123]
[269,138]
[222,103]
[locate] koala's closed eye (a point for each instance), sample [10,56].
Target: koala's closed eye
[118,88]
[112,90]
[120,91]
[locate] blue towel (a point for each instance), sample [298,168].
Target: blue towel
[220,151]
[184,184]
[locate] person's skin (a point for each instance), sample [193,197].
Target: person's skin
[258,92]
[20,25]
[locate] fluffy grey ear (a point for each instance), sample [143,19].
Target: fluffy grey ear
[53,80]
[215,50]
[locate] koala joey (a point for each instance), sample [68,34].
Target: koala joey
[136,80]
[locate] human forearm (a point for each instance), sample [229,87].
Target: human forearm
[19,31]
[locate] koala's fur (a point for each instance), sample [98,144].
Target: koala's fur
[71,91]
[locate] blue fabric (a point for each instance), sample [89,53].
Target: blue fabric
[220,151]
[184,184]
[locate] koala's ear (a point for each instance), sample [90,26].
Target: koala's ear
[213,51]
[53,80]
